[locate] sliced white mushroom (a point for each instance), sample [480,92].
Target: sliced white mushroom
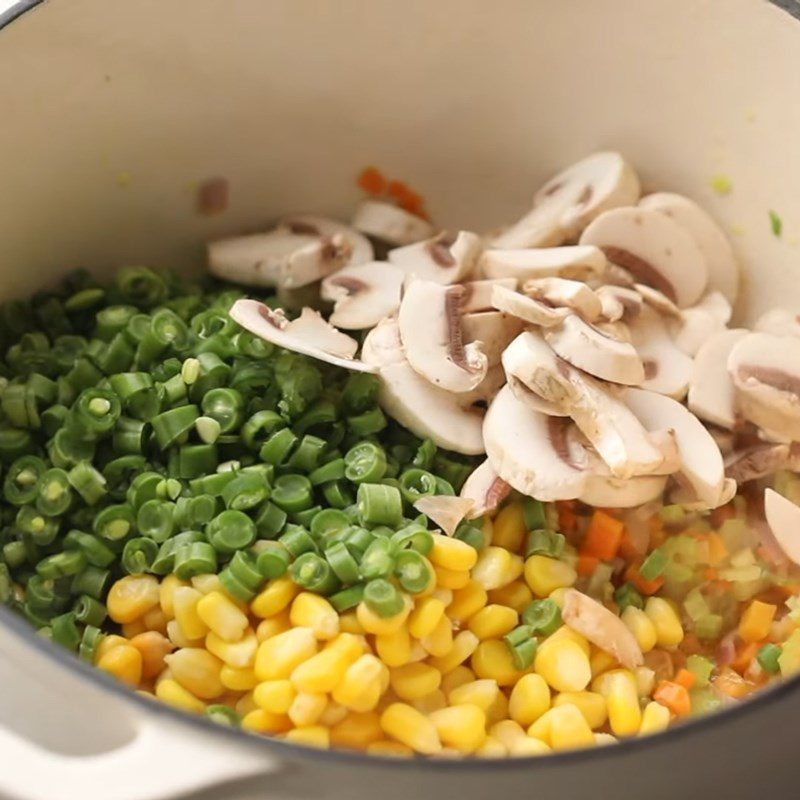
[783,518]
[485,488]
[326,228]
[766,373]
[309,334]
[573,197]
[701,460]
[654,249]
[430,329]
[493,330]
[565,293]
[587,348]
[779,322]
[725,439]
[526,395]
[723,271]
[391,224]
[761,461]
[478,294]
[363,295]
[533,452]
[604,491]
[712,396]
[446,511]
[601,627]
[382,345]
[485,391]
[658,300]
[619,302]
[698,323]
[684,494]
[667,369]
[527,309]
[442,259]
[577,262]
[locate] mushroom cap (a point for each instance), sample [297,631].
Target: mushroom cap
[712,395]
[779,322]
[433,340]
[485,488]
[766,373]
[592,350]
[723,271]
[565,293]
[575,261]
[309,334]
[527,309]
[654,249]
[446,511]
[363,295]
[783,518]
[701,460]
[605,491]
[533,452]
[391,224]
[442,259]
[478,294]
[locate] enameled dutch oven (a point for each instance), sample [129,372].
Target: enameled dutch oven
[114,110]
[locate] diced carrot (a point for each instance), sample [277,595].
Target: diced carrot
[603,537]
[567,518]
[586,564]
[398,189]
[644,585]
[675,697]
[372,181]
[745,656]
[685,678]
[710,574]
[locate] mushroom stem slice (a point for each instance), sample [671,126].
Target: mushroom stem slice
[564,293]
[576,262]
[486,489]
[433,340]
[654,249]
[527,309]
[442,259]
[391,224]
[589,349]
[601,627]
[783,518]
[445,510]
[363,295]
[309,334]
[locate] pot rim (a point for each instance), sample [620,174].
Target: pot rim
[696,727]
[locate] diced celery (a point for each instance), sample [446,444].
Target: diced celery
[743,558]
[696,605]
[741,574]
[600,578]
[701,667]
[704,701]
[744,590]
[672,515]
[789,659]
[708,627]
[735,534]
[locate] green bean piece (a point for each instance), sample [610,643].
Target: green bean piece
[522,645]
[223,715]
[212,484]
[59,565]
[165,560]
[143,487]
[307,454]
[348,598]
[379,504]
[338,494]
[270,520]
[534,514]
[197,558]
[444,488]
[230,531]
[120,472]
[259,428]
[383,598]
[314,573]
[90,640]
[292,493]
[378,560]
[328,521]
[130,436]
[141,287]
[138,555]
[53,418]
[88,482]
[14,442]
[243,567]
[66,448]
[173,426]
[114,522]
[359,539]
[471,534]
[195,460]
[112,320]
[41,529]
[413,537]
[298,541]
[65,630]
[278,447]
[627,595]
[15,553]
[117,356]
[342,563]
[367,423]
[768,657]
[453,471]
[330,471]
[365,463]
[413,571]
[91,581]
[22,480]
[543,617]
[245,491]
[416,483]
[273,559]
[95,413]
[96,552]
[226,406]
[545,542]
[55,493]
[425,455]
[89,611]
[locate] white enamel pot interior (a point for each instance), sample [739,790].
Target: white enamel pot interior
[114,110]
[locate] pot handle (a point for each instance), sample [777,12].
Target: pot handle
[76,737]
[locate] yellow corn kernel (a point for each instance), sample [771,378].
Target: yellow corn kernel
[131,629]
[464,645]
[559,595]
[496,567]
[516,595]
[197,670]
[450,578]
[374,623]
[507,732]
[425,616]
[131,597]
[108,643]
[530,698]
[352,645]
[601,661]
[655,718]
[172,693]
[262,721]
[362,685]
[275,696]
[409,727]
[307,708]
[452,553]
[445,595]
[184,602]
[440,641]
[457,677]
[498,709]
[124,662]
[348,623]
[272,626]
[641,626]
[176,635]
[528,746]
[357,730]
[274,597]
[467,600]
[544,574]
[322,672]
[314,611]
[277,656]
[622,701]
[509,528]
[238,680]
[481,693]
[645,681]
[434,701]
[245,704]
[312,736]
[418,652]
[565,632]
[564,665]
[222,616]
[153,646]
[394,649]
[207,583]
[568,728]
[412,681]
[756,621]
[492,659]
[241,654]
[461,726]
[155,620]
[386,747]
[493,621]
[669,631]
[491,748]
[166,594]
[604,738]
[591,704]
